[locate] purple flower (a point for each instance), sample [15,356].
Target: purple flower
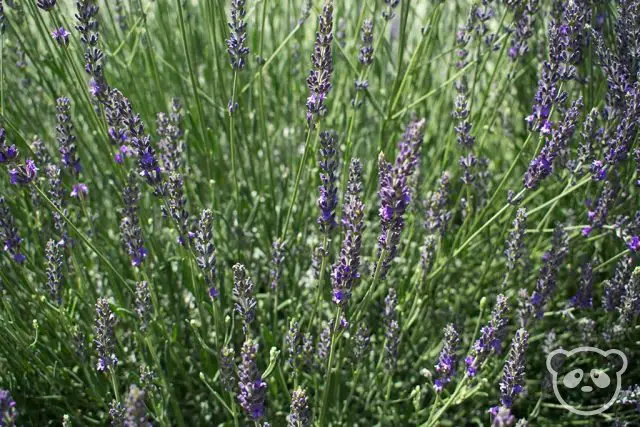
[502,417]
[319,80]
[143,305]
[66,138]
[177,208]
[491,335]
[206,251]
[61,35]
[236,43]
[634,243]
[366,50]
[614,288]
[542,165]
[598,215]
[8,153]
[392,330]
[345,272]
[629,308]
[252,388]
[524,27]
[584,297]
[57,197]
[437,216]
[515,242]
[9,233]
[169,127]
[395,192]
[461,114]
[105,339]
[80,191]
[245,304]
[8,411]
[328,199]
[447,361]
[135,414]
[23,174]
[277,258]
[88,28]
[552,261]
[299,416]
[512,382]
[228,368]
[130,229]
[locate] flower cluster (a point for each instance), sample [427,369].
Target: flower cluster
[345,272]
[252,388]
[552,261]
[328,199]
[54,253]
[130,229]
[206,251]
[447,360]
[105,339]
[9,233]
[512,382]
[66,138]
[319,80]
[392,330]
[93,56]
[245,304]
[237,41]
[491,335]
[395,192]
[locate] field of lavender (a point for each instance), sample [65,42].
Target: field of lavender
[297,212]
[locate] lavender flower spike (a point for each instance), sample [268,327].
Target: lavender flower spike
[491,335]
[515,242]
[135,414]
[143,305]
[328,199]
[66,138]
[130,230]
[9,233]
[366,51]
[584,297]
[395,192]
[512,382]
[392,331]
[237,42]
[300,415]
[243,293]
[447,360]
[542,165]
[344,273]
[319,80]
[552,261]
[277,258]
[105,339]
[206,251]
[53,253]
[252,387]
[8,411]
[8,153]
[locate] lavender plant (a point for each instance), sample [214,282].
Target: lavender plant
[199,226]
